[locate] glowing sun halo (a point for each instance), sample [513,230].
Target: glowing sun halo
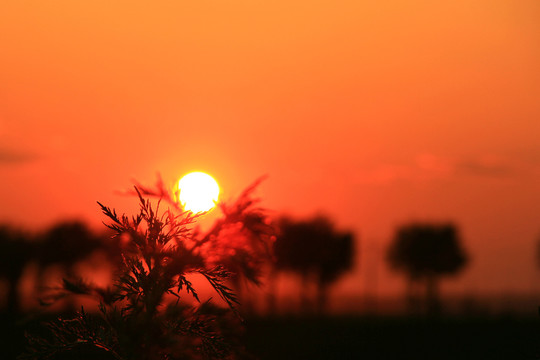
[198,192]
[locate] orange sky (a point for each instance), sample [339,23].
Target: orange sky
[375,113]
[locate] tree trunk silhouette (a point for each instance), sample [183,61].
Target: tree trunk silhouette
[411,297]
[13,303]
[305,302]
[433,303]
[239,285]
[322,297]
[271,293]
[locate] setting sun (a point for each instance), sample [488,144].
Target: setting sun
[198,192]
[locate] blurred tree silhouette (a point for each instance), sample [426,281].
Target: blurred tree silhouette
[62,246]
[425,253]
[66,244]
[15,253]
[316,251]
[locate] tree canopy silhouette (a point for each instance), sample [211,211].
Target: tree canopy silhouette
[426,252]
[314,249]
[67,243]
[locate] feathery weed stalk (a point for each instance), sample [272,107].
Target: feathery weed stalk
[142,315]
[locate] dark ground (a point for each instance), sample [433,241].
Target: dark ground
[501,337]
[394,338]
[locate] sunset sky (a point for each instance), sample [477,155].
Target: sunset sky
[375,113]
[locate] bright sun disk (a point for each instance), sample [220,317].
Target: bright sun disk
[198,192]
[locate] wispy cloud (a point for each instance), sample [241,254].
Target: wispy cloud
[429,167]
[15,157]
[489,166]
[423,167]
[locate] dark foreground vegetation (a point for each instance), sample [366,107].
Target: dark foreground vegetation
[360,337]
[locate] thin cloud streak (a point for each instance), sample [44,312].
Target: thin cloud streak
[429,167]
[14,157]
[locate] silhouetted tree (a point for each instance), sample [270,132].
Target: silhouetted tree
[65,245]
[425,253]
[15,252]
[314,249]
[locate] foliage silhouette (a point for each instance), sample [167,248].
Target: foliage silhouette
[143,315]
[316,251]
[425,253]
[242,240]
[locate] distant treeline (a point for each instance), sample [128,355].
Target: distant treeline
[312,249]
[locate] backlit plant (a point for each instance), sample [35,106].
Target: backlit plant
[142,315]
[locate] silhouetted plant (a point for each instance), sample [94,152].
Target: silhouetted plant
[242,240]
[141,315]
[425,253]
[316,251]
